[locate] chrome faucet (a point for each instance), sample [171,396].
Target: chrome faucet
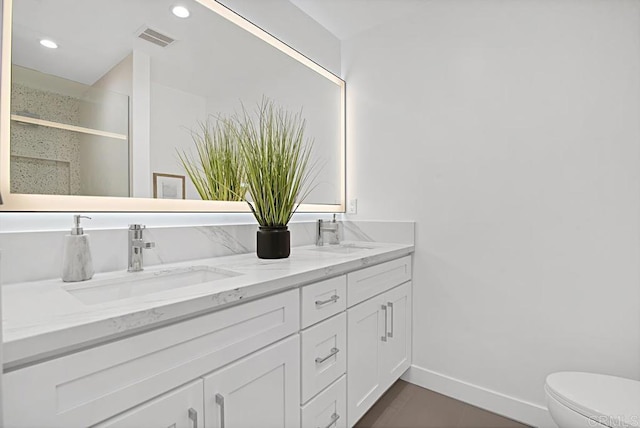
[136,245]
[329,228]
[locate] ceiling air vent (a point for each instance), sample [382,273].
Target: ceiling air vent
[155,37]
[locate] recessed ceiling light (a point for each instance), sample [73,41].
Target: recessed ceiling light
[180,11]
[49,44]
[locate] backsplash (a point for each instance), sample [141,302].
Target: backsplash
[31,256]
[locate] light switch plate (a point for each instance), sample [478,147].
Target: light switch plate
[352,206]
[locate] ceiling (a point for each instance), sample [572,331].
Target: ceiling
[209,49]
[347,18]
[109,33]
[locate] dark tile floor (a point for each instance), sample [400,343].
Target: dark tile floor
[409,406]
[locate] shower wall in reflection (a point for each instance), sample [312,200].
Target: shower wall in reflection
[67,138]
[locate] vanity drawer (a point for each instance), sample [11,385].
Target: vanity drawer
[323,300]
[90,386]
[328,409]
[368,282]
[324,355]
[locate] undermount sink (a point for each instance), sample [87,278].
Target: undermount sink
[343,248]
[143,283]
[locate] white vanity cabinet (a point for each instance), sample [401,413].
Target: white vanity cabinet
[315,356]
[357,348]
[379,334]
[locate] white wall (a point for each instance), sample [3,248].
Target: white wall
[171,130]
[140,126]
[509,131]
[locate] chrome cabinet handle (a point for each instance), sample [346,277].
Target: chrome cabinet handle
[331,299]
[333,352]
[390,305]
[220,402]
[384,336]
[334,419]
[193,416]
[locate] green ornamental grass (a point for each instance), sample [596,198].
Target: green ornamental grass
[217,169]
[277,162]
[262,158]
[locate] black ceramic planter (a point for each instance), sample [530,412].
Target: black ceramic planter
[274,242]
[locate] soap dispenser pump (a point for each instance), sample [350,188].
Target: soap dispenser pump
[77,264]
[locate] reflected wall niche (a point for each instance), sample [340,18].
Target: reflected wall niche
[86,126]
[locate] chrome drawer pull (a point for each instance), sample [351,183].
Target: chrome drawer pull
[333,352]
[220,402]
[193,416]
[331,299]
[334,419]
[384,336]
[390,305]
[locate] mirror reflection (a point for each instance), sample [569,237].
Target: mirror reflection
[106,113]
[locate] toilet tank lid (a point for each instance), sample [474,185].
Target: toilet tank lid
[610,400]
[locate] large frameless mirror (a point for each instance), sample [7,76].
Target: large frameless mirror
[104,96]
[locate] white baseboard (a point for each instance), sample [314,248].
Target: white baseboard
[496,402]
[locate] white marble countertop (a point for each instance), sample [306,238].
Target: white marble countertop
[42,320]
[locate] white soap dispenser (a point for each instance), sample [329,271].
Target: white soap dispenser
[76,259]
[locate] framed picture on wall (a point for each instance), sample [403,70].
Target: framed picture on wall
[168,186]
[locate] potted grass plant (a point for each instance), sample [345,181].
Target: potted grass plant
[216,169]
[278,170]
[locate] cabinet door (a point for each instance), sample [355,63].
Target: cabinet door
[396,351]
[365,335]
[181,408]
[261,390]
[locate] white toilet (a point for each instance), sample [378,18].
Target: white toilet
[577,400]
